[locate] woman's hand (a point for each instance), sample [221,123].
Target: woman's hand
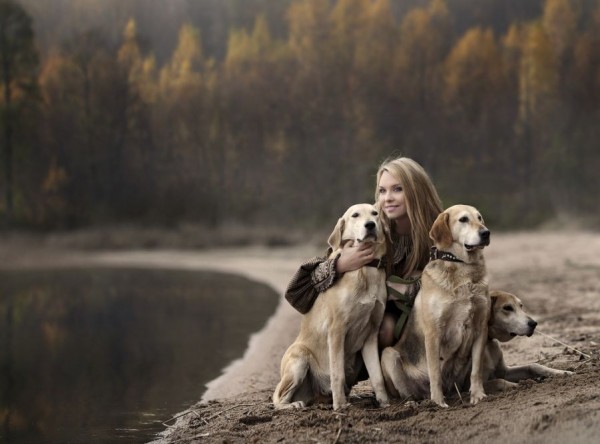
[354,257]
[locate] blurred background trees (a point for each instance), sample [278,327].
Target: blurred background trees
[278,112]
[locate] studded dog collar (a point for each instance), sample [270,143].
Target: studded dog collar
[442,255]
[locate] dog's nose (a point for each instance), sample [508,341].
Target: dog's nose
[370,225]
[531,323]
[485,234]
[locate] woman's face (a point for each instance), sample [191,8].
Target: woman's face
[391,197]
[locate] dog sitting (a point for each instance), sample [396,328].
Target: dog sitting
[344,320]
[446,333]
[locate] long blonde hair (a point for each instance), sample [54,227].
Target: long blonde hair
[422,205]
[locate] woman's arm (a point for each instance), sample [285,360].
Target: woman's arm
[313,277]
[318,274]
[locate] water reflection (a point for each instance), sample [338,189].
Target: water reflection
[106,355]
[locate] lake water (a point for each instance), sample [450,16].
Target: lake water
[107,355]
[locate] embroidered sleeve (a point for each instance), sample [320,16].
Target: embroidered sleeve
[312,278]
[324,274]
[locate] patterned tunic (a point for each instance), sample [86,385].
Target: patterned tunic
[318,274]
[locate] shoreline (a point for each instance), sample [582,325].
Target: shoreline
[511,258]
[257,369]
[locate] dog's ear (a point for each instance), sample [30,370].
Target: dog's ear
[335,238]
[493,299]
[440,231]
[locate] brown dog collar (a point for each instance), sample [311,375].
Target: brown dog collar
[377,263]
[442,255]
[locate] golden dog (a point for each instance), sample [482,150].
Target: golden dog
[507,321]
[446,333]
[344,320]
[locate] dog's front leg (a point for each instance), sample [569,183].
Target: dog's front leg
[432,351]
[531,371]
[477,390]
[335,341]
[371,357]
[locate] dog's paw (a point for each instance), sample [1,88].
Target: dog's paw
[341,406]
[477,396]
[383,402]
[291,405]
[298,405]
[439,400]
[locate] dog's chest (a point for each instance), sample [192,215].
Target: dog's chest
[463,321]
[363,304]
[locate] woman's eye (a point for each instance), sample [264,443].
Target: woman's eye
[355,215]
[463,219]
[508,308]
[398,189]
[381,191]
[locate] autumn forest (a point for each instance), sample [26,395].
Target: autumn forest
[279,111]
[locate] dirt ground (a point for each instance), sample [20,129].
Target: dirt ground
[557,275]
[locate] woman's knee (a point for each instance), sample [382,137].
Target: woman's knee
[386,331]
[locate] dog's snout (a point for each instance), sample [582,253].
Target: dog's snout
[370,225]
[485,234]
[531,323]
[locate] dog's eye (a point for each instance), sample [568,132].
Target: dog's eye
[508,308]
[374,213]
[479,218]
[355,215]
[463,219]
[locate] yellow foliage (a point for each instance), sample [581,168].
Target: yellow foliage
[140,70]
[55,180]
[539,78]
[473,71]
[309,25]
[560,23]
[185,67]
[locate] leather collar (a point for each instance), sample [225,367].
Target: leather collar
[442,255]
[377,263]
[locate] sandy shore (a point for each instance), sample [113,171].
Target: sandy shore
[532,265]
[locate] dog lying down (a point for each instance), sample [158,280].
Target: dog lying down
[507,321]
[344,320]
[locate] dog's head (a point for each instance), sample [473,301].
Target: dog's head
[360,223]
[461,231]
[507,318]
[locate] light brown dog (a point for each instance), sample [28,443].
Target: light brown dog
[344,320]
[508,320]
[447,329]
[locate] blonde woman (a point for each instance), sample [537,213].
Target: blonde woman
[407,197]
